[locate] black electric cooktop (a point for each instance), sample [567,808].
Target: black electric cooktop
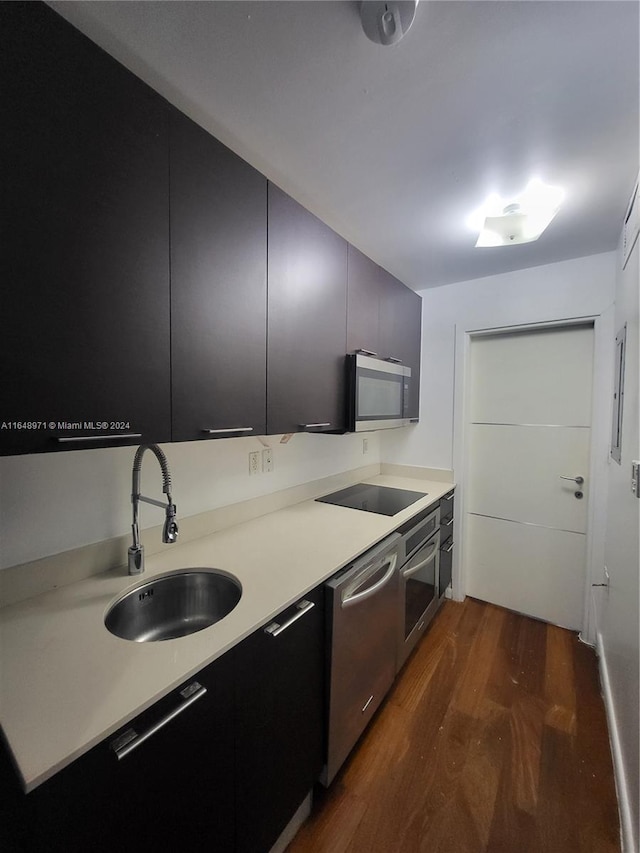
[380,499]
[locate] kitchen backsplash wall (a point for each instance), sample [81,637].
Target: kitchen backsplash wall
[54,502]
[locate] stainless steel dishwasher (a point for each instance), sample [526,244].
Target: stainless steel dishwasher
[361,607]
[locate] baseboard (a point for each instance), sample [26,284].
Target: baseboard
[627,832]
[291,829]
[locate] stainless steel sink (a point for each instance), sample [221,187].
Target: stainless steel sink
[173,605]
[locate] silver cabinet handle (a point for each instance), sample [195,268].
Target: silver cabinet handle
[394,360]
[579,479]
[232,429]
[310,426]
[121,435]
[352,599]
[408,573]
[367,703]
[130,740]
[448,550]
[448,523]
[275,628]
[368,352]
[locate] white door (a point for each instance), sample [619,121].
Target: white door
[528,428]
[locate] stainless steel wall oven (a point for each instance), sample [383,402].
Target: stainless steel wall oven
[418,580]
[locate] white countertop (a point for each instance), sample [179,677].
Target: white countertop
[66,683]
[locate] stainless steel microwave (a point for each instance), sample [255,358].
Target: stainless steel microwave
[378,395]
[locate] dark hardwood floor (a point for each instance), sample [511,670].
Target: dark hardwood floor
[494,738]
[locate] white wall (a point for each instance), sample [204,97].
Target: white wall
[583,287]
[580,287]
[619,610]
[53,502]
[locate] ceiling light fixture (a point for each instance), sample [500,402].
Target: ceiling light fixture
[509,222]
[387,23]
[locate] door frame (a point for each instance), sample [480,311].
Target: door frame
[603,359]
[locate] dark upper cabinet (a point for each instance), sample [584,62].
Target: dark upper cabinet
[363,303]
[141,302]
[400,330]
[84,260]
[384,317]
[280,721]
[307,307]
[218,288]
[172,792]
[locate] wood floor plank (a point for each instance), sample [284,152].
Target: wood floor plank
[447,643]
[493,740]
[559,680]
[526,728]
[596,801]
[519,662]
[338,815]
[470,693]
[512,828]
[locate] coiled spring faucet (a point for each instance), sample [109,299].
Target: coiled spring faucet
[170,528]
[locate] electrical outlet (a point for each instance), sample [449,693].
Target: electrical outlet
[365,445]
[267,460]
[254,462]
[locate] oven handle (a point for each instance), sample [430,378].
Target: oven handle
[407,573]
[384,580]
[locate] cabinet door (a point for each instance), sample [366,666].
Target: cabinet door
[279,717]
[400,331]
[218,288]
[173,792]
[307,308]
[363,303]
[84,329]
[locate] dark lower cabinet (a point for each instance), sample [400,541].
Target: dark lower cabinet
[84,256]
[227,773]
[173,792]
[307,308]
[279,715]
[218,288]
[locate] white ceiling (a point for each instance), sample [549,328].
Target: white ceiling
[395,146]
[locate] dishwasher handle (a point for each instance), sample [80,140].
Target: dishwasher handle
[356,597]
